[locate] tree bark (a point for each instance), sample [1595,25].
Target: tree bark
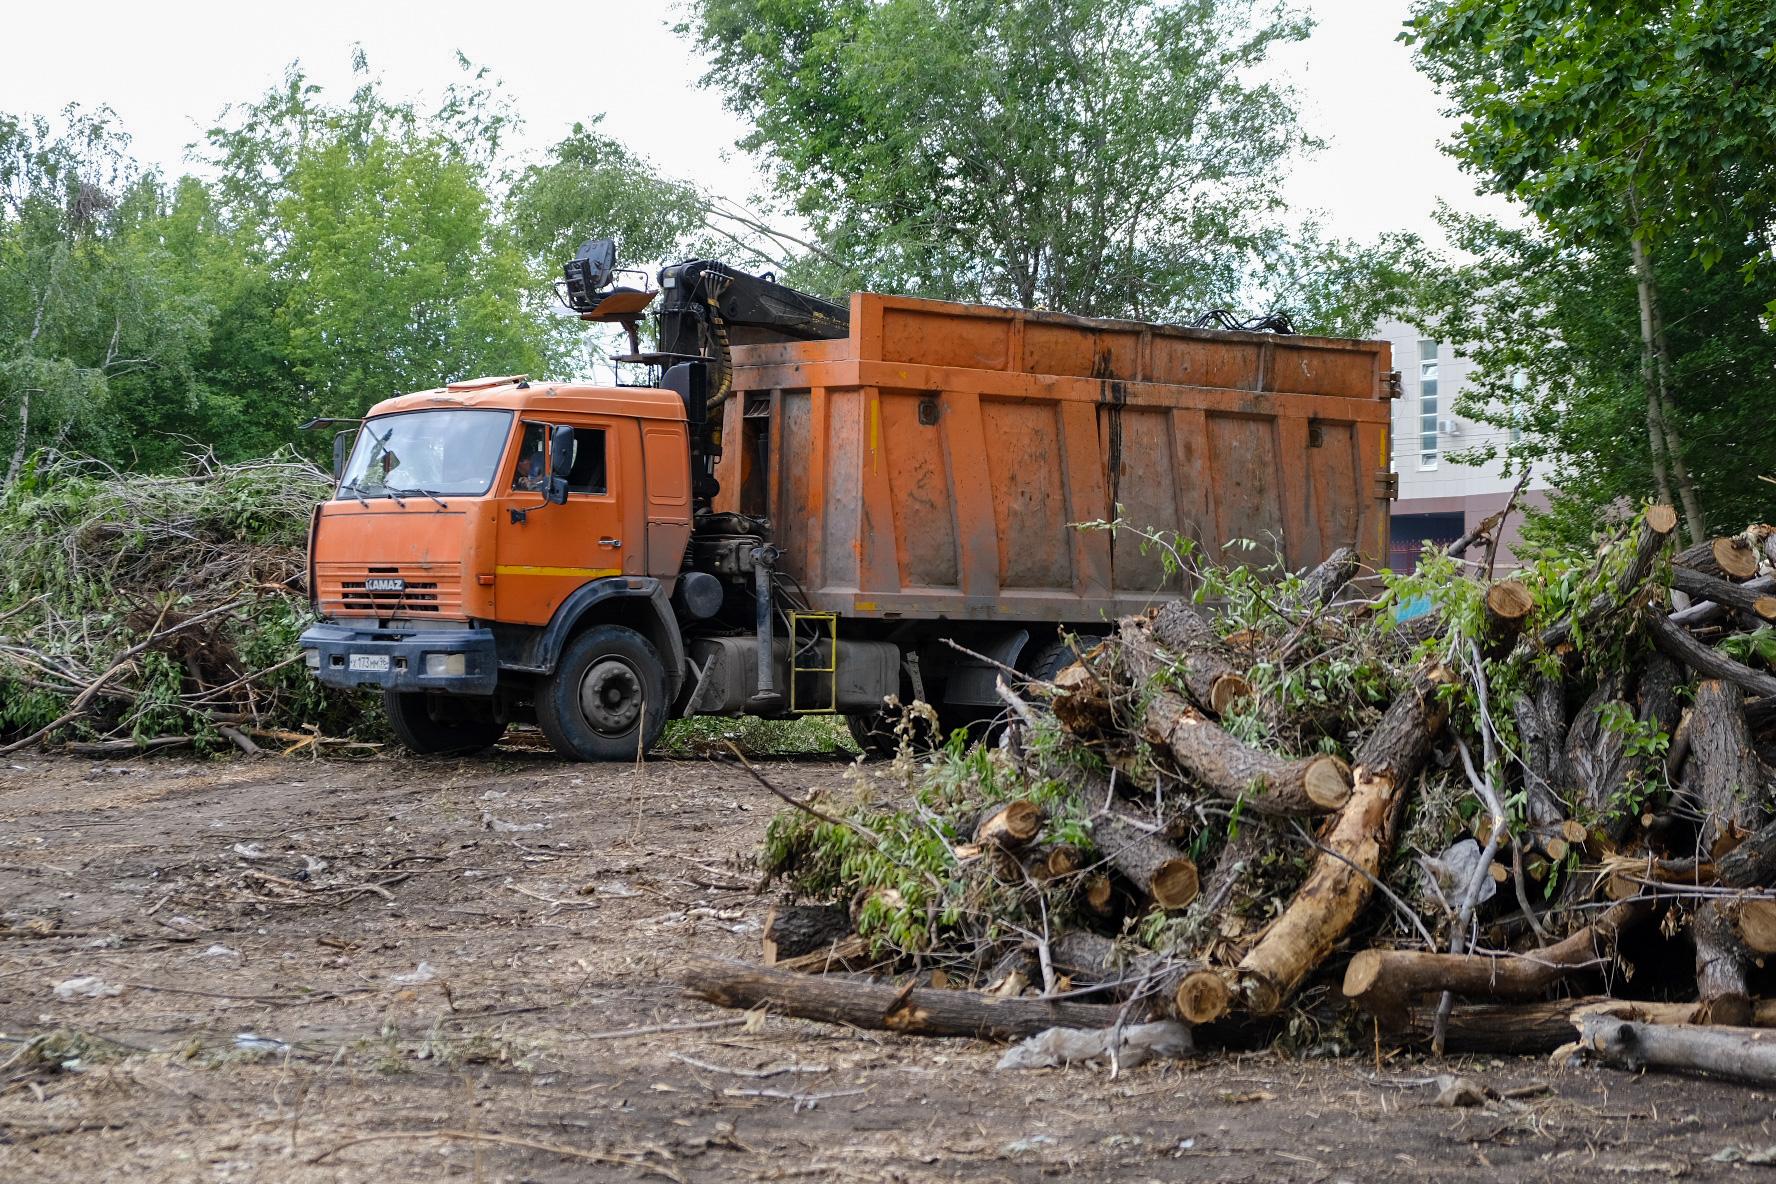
[883,1007]
[1497,1029]
[1540,712]
[1185,989]
[1723,996]
[1708,611]
[1165,874]
[1656,525]
[1677,642]
[1342,877]
[1224,766]
[1387,983]
[1729,559]
[1321,584]
[1597,756]
[1700,588]
[1210,675]
[19,450]
[1656,368]
[1744,1054]
[1725,778]
[792,930]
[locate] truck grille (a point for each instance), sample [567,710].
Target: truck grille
[390,590]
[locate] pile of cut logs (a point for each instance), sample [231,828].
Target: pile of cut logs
[1513,822]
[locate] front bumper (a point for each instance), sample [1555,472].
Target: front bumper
[453,661]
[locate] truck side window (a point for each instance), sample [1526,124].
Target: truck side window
[533,457]
[588,472]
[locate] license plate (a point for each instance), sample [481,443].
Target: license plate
[376,663]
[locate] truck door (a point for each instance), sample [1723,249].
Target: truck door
[546,551]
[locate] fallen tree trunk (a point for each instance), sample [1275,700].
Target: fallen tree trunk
[1751,598]
[1508,605]
[1707,612]
[1656,525]
[1386,983]
[883,1007]
[1744,1054]
[1224,766]
[1151,864]
[1321,584]
[1185,989]
[792,930]
[1498,1029]
[1529,1029]
[1200,658]
[1677,642]
[1723,995]
[1343,875]
[1540,712]
[1729,558]
[1009,825]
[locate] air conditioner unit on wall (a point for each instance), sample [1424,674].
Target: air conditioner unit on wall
[1449,427]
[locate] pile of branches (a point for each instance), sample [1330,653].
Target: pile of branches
[142,612]
[1438,810]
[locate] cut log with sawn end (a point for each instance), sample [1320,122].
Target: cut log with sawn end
[1342,878]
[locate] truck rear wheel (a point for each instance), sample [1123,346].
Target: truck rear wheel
[466,730]
[608,686]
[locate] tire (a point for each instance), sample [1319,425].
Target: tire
[467,730]
[876,733]
[608,682]
[1049,660]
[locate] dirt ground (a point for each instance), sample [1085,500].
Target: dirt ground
[318,970]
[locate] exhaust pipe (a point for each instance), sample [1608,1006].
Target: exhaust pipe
[766,699]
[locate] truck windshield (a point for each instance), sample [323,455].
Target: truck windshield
[426,452]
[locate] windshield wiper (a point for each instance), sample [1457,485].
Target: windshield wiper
[430,494]
[351,487]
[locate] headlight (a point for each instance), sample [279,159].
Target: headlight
[312,659]
[443,665]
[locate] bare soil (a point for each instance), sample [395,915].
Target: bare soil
[397,970]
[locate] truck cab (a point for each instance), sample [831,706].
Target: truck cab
[473,527]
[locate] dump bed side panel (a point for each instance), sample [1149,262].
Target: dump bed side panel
[942,461]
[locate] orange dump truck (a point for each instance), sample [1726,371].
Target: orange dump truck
[843,490]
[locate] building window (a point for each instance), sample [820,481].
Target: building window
[1427,404]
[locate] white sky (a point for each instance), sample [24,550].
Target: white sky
[168,69]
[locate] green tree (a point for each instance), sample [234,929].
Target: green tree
[92,325]
[1554,332]
[1641,125]
[371,226]
[1107,157]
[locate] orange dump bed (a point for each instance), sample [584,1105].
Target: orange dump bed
[933,463]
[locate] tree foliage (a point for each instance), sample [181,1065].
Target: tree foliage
[1637,134]
[1581,110]
[338,251]
[1553,332]
[1107,157]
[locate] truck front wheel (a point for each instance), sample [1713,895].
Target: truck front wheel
[606,700]
[469,728]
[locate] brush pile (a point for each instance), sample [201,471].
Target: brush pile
[1330,809]
[144,612]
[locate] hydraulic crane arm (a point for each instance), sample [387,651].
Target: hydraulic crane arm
[708,307]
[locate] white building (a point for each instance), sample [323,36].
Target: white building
[1440,499]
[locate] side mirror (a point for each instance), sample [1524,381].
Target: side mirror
[341,447]
[561,451]
[555,490]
